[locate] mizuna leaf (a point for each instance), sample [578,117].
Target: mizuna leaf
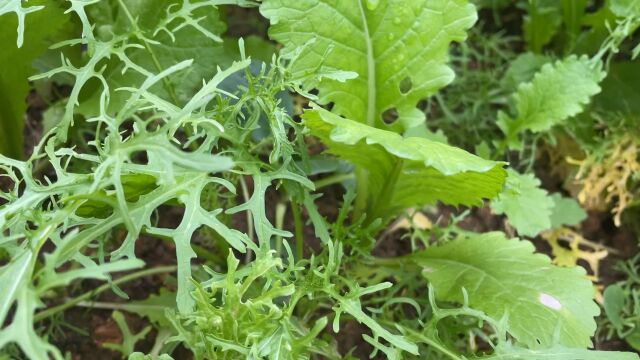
[405,172]
[15,6]
[12,276]
[556,93]
[398,48]
[623,8]
[545,304]
[527,206]
[165,48]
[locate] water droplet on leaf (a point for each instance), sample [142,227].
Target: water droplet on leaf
[372,4]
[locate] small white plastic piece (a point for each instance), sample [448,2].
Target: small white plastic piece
[549,301]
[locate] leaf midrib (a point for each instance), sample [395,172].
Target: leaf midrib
[371,69]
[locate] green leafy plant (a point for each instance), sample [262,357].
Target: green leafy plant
[173,131]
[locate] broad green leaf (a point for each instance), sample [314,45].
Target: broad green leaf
[398,48]
[621,89]
[526,205]
[541,23]
[16,65]
[556,93]
[614,299]
[505,278]
[633,339]
[510,352]
[566,211]
[572,13]
[406,172]
[523,68]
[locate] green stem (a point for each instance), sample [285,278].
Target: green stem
[297,219]
[154,58]
[382,202]
[362,193]
[130,277]
[334,179]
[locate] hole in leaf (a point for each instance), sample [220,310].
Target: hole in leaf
[390,116]
[168,215]
[330,106]
[139,158]
[406,85]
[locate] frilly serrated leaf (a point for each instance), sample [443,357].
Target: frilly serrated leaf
[527,206]
[427,171]
[15,6]
[556,93]
[545,305]
[398,48]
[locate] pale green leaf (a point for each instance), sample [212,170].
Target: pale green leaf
[526,205]
[424,171]
[556,93]
[129,339]
[566,211]
[523,68]
[545,304]
[165,49]
[398,48]
[141,356]
[12,277]
[557,353]
[15,6]
[614,299]
[21,330]
[624,8]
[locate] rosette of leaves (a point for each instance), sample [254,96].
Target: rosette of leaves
[398,52]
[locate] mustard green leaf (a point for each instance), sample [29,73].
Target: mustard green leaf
[510,352]
[556,93]
[566,211]
[545,305]
[526,205]
[16,64]
[424,171]
[614,302]
[398,48]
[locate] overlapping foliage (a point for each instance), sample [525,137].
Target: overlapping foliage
[168,117]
